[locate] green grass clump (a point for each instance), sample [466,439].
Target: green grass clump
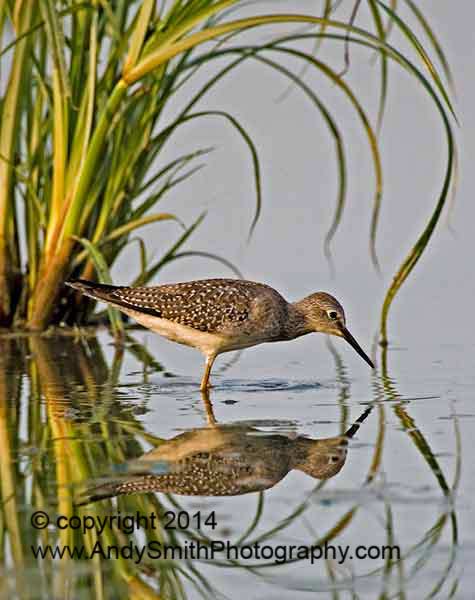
[82,128]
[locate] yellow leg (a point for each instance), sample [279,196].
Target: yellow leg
[205,384]
[209,408]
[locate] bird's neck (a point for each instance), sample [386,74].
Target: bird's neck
[297,322]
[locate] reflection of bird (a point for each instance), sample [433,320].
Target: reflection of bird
[221,315]
[226,461]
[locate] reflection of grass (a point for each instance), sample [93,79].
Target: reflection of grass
[77,441]
[74,458]
[427,546]
[10,393]
[70,453]
[343,381]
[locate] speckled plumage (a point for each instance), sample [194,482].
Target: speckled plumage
[227,460]
[209,305]
[221,315]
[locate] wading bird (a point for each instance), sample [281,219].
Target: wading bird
[221,315]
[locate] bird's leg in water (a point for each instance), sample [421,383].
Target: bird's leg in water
[205,384]
[209,408]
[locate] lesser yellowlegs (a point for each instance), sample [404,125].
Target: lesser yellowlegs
[227,460]
[221,315]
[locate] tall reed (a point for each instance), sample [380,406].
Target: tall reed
[83,128]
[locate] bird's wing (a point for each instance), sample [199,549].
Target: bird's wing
[209,305]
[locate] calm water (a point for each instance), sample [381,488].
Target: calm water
[292,449]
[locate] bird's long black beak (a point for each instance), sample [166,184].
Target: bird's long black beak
[351,340]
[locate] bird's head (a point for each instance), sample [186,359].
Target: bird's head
[324,314]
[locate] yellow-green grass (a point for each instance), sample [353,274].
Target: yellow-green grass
[82,128]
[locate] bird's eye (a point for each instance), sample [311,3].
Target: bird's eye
[332,314]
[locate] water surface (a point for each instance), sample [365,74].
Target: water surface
[289,452]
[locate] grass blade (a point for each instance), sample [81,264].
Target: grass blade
[104,277]
[378,22]
[153,270]
[127,228]
[434,42]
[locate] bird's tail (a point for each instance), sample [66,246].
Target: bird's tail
[100,492]
[98,291]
